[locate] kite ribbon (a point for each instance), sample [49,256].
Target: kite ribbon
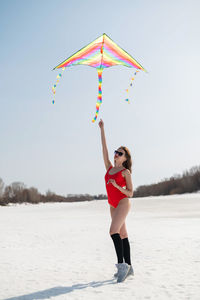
[55,85]
[127,90]
[99,98]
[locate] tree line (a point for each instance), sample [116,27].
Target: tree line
[188,182]
[17,192]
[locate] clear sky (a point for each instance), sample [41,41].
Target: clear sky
[56,146]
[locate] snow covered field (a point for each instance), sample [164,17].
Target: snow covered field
[64,251]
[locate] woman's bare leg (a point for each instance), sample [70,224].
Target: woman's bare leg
[118,217]
[118,230]
[123,231]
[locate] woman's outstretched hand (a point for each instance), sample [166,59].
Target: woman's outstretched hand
[101,124]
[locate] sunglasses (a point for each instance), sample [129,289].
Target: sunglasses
[118,152]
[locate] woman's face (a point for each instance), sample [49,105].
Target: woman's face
[120,158]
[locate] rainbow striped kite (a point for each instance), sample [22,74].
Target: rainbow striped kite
[100,54]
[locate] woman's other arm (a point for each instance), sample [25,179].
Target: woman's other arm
[104,146]
[129,186]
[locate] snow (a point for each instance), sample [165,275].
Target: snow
[64,251]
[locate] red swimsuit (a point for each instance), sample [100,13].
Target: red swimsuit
[115,195]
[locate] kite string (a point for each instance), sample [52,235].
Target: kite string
[55,85]
[130,85]
[99,98]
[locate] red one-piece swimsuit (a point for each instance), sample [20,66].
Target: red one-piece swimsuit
[115,195]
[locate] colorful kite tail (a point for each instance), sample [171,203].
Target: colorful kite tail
[131,84]
[55,85]
[99,98]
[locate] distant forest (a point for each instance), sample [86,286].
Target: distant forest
[17,192]
[188,182]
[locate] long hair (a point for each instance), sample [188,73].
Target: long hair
[128,163]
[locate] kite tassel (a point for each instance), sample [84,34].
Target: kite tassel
[55,85]
[130,85]
[99,97]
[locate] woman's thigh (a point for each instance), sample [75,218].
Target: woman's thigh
[112,211]
[119,214]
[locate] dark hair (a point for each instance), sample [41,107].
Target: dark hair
[128,163]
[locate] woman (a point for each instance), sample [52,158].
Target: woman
[119,188]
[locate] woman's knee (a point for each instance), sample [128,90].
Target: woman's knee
[114,230]
[123,232]
[117,228]
[123,235]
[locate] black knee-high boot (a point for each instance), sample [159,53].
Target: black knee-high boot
[126,249]
[118,246]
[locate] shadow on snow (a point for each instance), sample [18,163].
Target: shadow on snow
[56,291]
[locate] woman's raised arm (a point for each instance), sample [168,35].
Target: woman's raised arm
[104,146]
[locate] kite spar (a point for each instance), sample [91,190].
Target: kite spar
[100,54]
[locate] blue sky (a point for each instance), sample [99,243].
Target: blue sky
[57,147]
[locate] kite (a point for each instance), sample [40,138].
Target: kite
[100,54]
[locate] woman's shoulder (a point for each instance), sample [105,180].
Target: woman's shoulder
[126,172]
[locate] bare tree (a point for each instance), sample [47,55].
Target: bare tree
[1,187]
[34,196]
